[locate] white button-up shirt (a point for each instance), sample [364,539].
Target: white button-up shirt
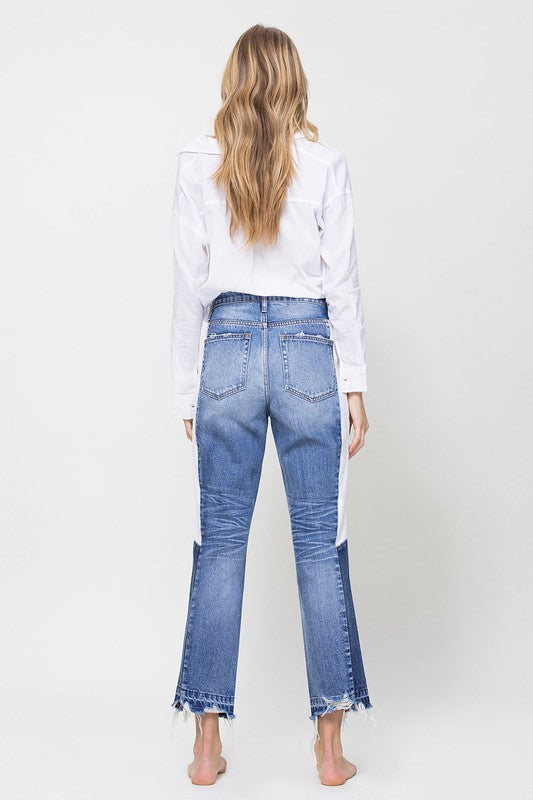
[315,256]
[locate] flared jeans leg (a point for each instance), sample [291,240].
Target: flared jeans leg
[310,423]
[229,440]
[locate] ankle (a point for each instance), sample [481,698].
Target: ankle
[329,746]
[207,735]
[209,741]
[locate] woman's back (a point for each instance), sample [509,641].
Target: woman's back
[293,265]
[314,255]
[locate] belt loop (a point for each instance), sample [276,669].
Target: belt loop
[264,315]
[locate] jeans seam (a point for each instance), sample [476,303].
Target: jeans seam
[190,618]
[273,323]
[254,298]
[348,649]
[205,693]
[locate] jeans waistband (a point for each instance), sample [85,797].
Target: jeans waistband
[254,307]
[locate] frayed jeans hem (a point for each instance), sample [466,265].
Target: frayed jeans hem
[346,702]
[197,702]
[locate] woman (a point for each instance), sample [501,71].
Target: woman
[264,252]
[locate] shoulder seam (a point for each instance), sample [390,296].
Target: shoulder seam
[334,150]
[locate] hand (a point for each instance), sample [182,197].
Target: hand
[188,428]
[358,421]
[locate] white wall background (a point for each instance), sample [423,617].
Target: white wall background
[428,100]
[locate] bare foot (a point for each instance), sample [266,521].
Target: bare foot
[208,762]
[333,769]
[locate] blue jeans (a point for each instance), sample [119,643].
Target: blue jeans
[270,357]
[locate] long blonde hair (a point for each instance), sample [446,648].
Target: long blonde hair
[264,103]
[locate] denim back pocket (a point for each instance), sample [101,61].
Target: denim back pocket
[308,366]
[225,364]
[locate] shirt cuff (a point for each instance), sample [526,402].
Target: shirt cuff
[352,379]
[184,405]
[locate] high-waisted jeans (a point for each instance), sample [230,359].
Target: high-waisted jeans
[270,357]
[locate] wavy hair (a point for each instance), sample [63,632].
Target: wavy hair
[264,103]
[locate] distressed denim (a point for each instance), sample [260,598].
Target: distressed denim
[270,357]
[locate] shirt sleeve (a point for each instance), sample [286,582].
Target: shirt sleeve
[191,265]
[341,279]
